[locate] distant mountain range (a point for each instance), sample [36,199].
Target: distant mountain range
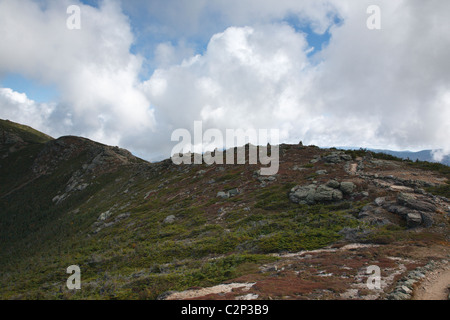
[424,155]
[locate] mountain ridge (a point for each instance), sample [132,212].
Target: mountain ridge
[142,230]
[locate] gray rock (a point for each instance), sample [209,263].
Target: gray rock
[354,234]
[233,192]
[109,224]
[321,172]
[332,158]
[399,296]
[333,184]
[409,283]
[347,187]
[427,220]
[410,201]
[298,168]
[413,219]
[380,201]
[400,210]
[223,195]
[325,194]
[315,160]
[365,211]
[105,215]
[267,178]
[169,219]
[405,289]
[303,194]
[312,193]
[336,157]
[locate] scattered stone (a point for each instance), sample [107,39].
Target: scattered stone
[380,201]
[321,172]
[324,194]
[105,215]
[169,219]
[347,187]
[223,195]
[267,178]
[233,192]
[336,157]
[413,219]
[315,159]
[333,184]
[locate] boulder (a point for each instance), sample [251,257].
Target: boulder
[336,157]
[333,184]
[413,219]
[223,195]
[312,193]
[327,194]
[347,187]
[410,201]
[233,192]
[303,194]
[380,201]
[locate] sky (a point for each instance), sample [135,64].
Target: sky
[135,71]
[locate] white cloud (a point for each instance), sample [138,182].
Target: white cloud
[248,78]
[17,107]
[93,68]
[384,88]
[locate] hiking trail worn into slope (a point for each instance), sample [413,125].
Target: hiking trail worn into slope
[436,286]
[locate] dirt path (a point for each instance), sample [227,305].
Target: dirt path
[435,286]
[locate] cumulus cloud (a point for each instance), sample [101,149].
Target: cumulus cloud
[383,88]
[93,68]
[19,108]
[247,78]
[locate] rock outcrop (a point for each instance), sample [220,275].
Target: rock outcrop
[332,191]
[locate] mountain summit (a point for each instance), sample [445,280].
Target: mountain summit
[140,230]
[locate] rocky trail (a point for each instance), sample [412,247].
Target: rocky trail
[436,286]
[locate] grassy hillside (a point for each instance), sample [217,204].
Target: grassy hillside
[138,230]
[27,133]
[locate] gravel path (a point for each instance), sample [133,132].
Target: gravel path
[435,286]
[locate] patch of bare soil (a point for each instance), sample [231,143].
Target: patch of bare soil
[436,286]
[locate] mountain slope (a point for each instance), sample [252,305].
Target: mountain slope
[140,230]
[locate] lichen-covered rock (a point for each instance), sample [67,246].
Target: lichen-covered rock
[303,194]
[336,157]
[410,201]
[347,187]
[105,215]
[223,195]
[333,184]
[169,219]
[312,193]
[327,194]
